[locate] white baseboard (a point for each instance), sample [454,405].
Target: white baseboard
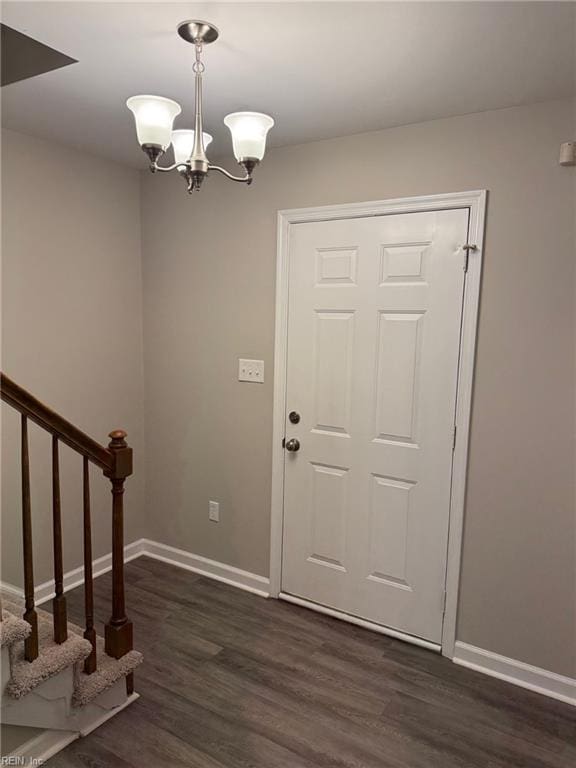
[250,582]
[10,590]
[42,747]
[44,592]
[236,577]
[516,672]
[74,578]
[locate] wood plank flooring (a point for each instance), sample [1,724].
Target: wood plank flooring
[231,680]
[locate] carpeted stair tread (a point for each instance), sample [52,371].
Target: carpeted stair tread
[109,671]
[12,629]
[52,658]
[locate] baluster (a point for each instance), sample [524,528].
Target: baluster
[59,601]
[118,631]
[90,632]
[31,642]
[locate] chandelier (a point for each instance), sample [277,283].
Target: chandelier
[154,116]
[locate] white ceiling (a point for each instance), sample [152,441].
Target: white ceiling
[321,69]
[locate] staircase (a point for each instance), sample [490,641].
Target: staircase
[56,675]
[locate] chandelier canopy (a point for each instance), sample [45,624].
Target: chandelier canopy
[155,115]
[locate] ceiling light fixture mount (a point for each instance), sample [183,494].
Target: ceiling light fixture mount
[194,31]
[154,116]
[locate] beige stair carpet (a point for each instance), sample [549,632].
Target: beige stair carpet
[108,672]
[52,657]
[12,629]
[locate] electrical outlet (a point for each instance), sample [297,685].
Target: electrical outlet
[251,370]
[214,511]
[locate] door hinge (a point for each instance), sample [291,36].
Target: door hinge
[467,247]
[454,438]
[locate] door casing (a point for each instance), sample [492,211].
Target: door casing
[475,202]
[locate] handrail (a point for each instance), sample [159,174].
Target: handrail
[116,463]
[49,420]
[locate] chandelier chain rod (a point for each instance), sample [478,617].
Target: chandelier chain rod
[198,66]
[198,151]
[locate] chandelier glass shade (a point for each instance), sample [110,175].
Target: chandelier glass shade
[248,131]
[155,115]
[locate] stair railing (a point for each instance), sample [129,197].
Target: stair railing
[116,463]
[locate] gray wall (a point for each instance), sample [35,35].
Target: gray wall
[209,272]
[71,333]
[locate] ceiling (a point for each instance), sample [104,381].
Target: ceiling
[320,69]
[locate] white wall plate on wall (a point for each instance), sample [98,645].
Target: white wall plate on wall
[251,370]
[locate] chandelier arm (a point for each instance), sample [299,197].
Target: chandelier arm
[163,168]
[242,179]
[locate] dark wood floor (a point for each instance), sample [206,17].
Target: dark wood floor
[231,680]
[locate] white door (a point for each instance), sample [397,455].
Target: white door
[374,318]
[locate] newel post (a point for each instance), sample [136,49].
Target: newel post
[118,631]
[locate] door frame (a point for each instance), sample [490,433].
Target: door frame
[475,201]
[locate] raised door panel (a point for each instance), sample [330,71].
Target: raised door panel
[333,353]
[389,527]
[403,263]
[336,266]
[398,373]
[327,516]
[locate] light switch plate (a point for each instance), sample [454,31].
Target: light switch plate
[251,370]
[214,511]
